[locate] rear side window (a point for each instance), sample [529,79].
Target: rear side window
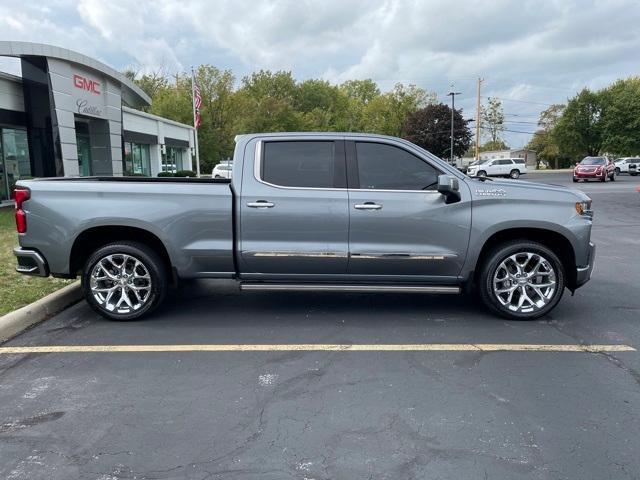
[299,164]
[386,167]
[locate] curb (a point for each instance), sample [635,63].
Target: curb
[15,322]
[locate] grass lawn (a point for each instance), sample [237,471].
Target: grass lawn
[18,290]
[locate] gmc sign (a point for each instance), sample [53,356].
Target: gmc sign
[87,84]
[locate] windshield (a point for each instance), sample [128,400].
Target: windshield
[592,161]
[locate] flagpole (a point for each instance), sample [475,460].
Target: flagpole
[195,127]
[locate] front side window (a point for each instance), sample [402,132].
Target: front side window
[299,164]
[387,167]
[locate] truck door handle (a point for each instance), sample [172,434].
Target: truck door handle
[367,206]
[260,204]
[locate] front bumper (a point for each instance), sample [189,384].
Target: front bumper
[30,262]
[587,175]
[583,274]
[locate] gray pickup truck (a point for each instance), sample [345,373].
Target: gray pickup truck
[313,212]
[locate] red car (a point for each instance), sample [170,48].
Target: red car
[594,168]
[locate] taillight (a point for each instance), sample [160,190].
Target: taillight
[20,195]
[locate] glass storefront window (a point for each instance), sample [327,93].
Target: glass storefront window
[137,159]
[14,160]
[172,160]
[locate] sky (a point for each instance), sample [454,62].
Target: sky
[530,53]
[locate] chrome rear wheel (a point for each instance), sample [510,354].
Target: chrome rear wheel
[125,280]
[121,283]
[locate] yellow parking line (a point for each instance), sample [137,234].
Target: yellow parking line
[314,347]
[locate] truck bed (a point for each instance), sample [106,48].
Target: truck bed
[192,217]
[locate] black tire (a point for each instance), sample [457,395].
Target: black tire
[482,174]
[150,261]
[617,171]
[493,262]
[575,180]
[515,174]
[604,178]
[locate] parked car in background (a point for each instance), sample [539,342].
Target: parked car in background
[222,170]
[310,212]
[594,168]
[627,165]
[499,167]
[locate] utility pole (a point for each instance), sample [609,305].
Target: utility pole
[452,94]
[478,120]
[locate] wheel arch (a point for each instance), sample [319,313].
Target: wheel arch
[89,240]
[555,241]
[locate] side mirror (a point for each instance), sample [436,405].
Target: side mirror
[449,187]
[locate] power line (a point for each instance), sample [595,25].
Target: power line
[517,121]
[520,101]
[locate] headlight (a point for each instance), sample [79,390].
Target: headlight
[584,208]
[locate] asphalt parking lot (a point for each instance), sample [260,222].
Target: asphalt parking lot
[331,414]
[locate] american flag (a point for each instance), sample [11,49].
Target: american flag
[197,103]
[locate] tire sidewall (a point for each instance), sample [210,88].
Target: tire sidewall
[490,267]
[152,263]
[515,174]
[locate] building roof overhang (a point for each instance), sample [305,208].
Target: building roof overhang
[131,93]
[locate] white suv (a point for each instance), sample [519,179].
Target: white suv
[498,167]
[222,170]
[630,165]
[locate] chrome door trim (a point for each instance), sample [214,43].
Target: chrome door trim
[401,256]
[302,287]
[297,254]
[394,191]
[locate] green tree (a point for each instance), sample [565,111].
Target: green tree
[430,128]
[267,100]
[543,141]
[492,119]
[578,132]
[492,145]
[386,113]
[621,117]
[361,90]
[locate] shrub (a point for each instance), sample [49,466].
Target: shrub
[185,173]
[166,174]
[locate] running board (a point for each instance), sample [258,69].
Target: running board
[320,287]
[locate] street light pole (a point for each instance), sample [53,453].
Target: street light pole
[452,94]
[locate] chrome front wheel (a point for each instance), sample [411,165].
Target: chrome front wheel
[521,279]
[524,282]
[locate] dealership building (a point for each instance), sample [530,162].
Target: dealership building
[71,115]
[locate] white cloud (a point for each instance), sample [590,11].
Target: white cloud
[539,51]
